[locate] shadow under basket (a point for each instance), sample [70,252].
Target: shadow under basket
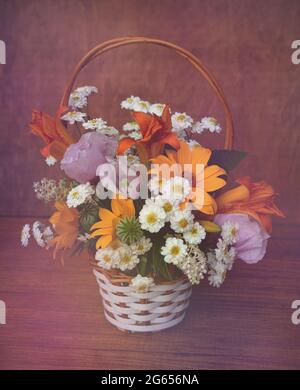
[162,307]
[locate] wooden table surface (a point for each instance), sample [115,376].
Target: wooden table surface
[55,319]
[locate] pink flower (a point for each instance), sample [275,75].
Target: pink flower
[252,240]
[82,159]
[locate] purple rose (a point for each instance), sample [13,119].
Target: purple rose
[252,240]
[82,159]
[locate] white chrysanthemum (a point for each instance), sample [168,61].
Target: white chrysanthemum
[211,124]
[25,235]
[194,264]
[229,232]
[77,100]
[174,250]
[127,259]
[223,253]
[169,206]
[50,161]
[152,217]
[107,258]
[38,234]
[95,124]
[142,246]
[176,188]
[181,121]
[110,131]
[141,106]
[130,126]
[79,194]
[157,109]
[195,235]
[87,90]
[74,116]
[155,184]
[182,221]
[136,135]
[129,102]
[141,284]
[197,128]
[217,270]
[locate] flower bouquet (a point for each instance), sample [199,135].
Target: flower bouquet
[148,202]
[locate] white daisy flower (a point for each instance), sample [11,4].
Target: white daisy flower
[197,128]
[174,250]
[169,206]
[217,270]
[37,231]
[157,109]
[79,194]
[155,184]
[107,258]
[142,246]
[177,188]
[74,116]
[181,121]
[77,100]
[50,161]
[109,131]
[229,232]
[127,258]
[223,253]
[25,235]
[195,235]
[182,221]
[129,102]
[141,284]
[136,135]
[141,106]
[152,217]
[211,124]
[87,90]
[129,126]
[95,124]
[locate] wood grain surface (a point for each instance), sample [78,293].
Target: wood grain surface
[55,318]
[245,43]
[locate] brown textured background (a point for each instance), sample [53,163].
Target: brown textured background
[247,45]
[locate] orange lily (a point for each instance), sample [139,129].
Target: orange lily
[156,133]
[106,227]
[195,156]
[253,198]
[52,132]
[65,222]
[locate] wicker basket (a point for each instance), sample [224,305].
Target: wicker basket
[165,304]
[162,307]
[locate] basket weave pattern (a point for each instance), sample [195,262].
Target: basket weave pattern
[162,307]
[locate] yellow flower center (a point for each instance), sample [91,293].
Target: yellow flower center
[143,105]
[107,259]
[125,259]
[180,117]
[194,231]
[151,218]
[183,223]
[175,250]
[75,194]
[213,121]
[167,207]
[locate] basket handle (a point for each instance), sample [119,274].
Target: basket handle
[114,43]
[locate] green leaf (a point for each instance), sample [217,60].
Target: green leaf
[227,159]
[160,267]
[142,266]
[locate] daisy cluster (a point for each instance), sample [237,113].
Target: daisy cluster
[41,233]
[181,122]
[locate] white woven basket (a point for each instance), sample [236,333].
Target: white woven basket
[162,307]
